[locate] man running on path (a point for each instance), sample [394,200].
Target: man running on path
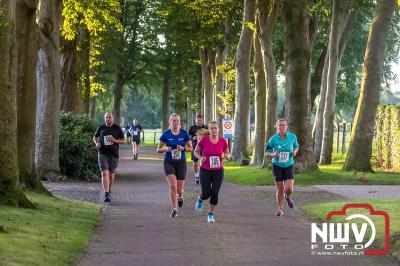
[107,139]
[175,166]
[192,133]
[135,130]
[282,148]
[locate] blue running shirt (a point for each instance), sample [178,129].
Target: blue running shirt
[173,141]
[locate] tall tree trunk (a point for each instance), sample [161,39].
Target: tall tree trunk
[93,110]
[189,112]
[228,36]
[317,77]
[205,57]
[211,54]
[69,81]
[49,91]
[267,16]
[118,86]
[360,150]
[227,56]
[351,19]
[297,63]
[317,132]
[342,30]
[242,108]
[165,98]
[10,192]
[340,8]
[219,83]
[260,99]
[319,115]
[27,48]
[83,71]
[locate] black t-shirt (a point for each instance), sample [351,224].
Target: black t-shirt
[193,130]
[104,132]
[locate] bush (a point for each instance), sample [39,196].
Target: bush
[78,155]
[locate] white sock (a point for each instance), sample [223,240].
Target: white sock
[196,174]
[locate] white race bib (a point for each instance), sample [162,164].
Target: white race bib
[283,157]
[107,140]
[215,162]
[176,155]
[135,133]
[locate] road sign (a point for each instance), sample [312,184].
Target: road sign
[228,126]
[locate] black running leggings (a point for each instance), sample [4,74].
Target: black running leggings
[211,181]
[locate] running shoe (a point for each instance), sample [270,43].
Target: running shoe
[199,205]
[197,180]
[180,202]
[135,157]
[289,201]
[174,213]
[279,212]
[210,217]
[107,197]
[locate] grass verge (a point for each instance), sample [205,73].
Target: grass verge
[327,174]
[55,233]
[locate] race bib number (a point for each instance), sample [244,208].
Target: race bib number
[215,162]
[107,140]
[176,155]
[135,133]
[283,157]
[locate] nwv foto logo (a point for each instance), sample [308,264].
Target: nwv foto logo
[329,235]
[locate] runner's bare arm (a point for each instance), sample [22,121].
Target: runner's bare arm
[189,146]
[295,147]
[161,149]
[227,154]
[268,151]
[272,154]
[96,142]
[119,141]
[197,152]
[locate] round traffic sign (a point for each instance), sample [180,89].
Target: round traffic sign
[227,125]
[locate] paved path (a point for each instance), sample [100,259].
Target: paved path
[363,191]
[135,228]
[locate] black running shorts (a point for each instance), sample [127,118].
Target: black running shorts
[282,173]
[175,167]
[137,140]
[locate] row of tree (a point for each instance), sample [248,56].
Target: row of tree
[285,37]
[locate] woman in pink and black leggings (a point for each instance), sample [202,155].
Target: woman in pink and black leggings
[210,151]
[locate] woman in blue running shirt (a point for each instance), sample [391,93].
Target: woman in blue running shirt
[177,142]
[282,148]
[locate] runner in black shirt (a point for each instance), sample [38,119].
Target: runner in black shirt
[107,139]
[192,133]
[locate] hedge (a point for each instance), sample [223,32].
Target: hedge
[388,137]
